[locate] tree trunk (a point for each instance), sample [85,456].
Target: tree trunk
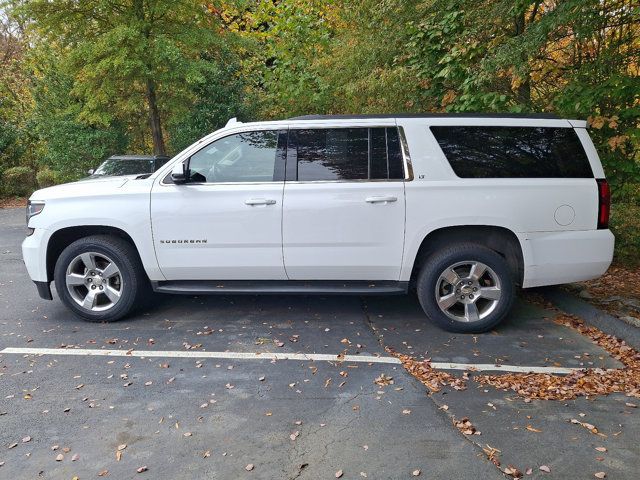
[524,90]
[154,120]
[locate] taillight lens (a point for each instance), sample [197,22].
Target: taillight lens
[604,203]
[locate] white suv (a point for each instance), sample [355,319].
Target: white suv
[463,208]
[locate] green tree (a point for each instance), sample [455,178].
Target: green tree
[126,55]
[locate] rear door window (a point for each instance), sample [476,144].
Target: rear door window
[344,154]
[513,152]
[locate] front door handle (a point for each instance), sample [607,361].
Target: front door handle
[381,199]
[259,201]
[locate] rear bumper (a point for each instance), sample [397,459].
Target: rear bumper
[563,257]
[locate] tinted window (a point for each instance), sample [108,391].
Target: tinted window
[513,152]
[243,157]
[332,154]
[345,154]
[396,162]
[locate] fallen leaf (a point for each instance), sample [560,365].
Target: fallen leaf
[249,467]
[339,474]
[187,434]
[601,449]
[26,439]
[383,380]
[631,405]
[103,473]
[416,473]
[59,457]
[75,457]
[122,447]
[545,469]
[142,469]
[13,445]
[531,429]
[600,475]
[406,411]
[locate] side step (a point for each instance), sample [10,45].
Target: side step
[287,287]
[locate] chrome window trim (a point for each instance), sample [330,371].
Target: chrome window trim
[280,182]
[408,167]
[408,170]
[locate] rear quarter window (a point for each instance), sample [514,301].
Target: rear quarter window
[513,152]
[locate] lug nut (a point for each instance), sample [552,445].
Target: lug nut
[458,290]
[469,283]
[89,279]
[470,296]
[462,297]
[92,273]
[475,289]
[101,287]
[93,287]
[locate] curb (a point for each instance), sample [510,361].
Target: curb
[593,316]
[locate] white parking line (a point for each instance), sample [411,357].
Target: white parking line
[318,357]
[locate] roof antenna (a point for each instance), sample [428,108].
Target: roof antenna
[231,122]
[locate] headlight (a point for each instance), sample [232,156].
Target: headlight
[33,208]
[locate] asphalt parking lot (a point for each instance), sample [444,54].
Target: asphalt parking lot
[185,395]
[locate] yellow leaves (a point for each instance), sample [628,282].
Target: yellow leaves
[618,142]
[448,98]
[516,82]
[599,121]
[596,122]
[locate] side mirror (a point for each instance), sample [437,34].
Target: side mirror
[90,171]
[181,173]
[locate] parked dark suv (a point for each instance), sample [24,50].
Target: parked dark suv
[129,165]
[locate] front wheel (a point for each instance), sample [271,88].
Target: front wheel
[100,278]
[466,288]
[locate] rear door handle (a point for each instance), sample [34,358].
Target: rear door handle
[381,199]
[259,201]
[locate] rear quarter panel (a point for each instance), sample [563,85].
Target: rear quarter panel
[437,198]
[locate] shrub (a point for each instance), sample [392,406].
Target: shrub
[47,177]
[18,181]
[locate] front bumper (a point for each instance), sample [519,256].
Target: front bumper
[34,255]
[552,258]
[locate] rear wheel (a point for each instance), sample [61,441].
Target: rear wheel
[100,278]
[466,288]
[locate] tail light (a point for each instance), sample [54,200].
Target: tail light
[604,203]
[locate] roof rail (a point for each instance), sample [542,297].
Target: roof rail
[232,122]
[428,115]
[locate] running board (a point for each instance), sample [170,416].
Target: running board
[287,287]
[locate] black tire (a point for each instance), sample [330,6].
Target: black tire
[460,253]
[131,278]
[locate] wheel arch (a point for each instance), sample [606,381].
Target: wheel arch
[499,239]
[64,237]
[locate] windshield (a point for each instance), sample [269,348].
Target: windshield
[114,167]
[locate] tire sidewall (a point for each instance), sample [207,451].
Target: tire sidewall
[111,250]
[434,267]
